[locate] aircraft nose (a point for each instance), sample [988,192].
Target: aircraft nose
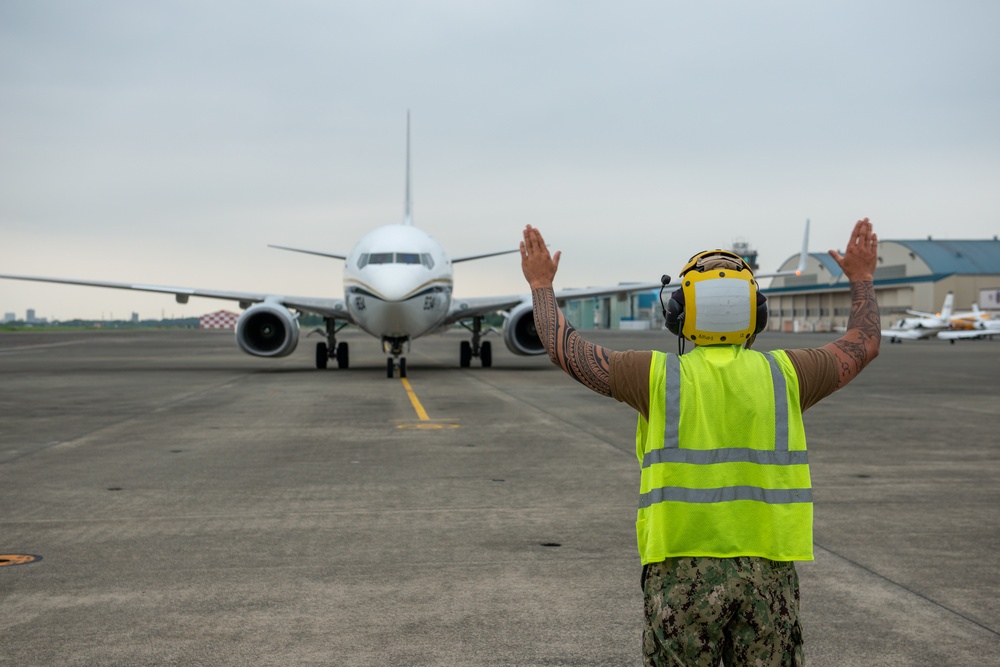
[395,283]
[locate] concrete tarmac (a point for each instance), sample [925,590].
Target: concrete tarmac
[196,506]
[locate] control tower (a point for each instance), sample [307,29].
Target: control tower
[742,248]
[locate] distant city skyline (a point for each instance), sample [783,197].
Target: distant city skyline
[31,316]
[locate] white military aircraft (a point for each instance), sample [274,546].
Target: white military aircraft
[397,287]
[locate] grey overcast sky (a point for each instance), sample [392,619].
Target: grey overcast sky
[170,142]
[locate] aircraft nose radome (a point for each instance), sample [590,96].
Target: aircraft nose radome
[393,284]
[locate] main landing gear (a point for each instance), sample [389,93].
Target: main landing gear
[394,346]
[475,348]
[331,349]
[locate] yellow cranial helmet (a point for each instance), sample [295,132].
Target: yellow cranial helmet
[718,302]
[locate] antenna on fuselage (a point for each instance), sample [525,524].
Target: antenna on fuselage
[408,204]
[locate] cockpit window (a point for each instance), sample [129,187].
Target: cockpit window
[365,259]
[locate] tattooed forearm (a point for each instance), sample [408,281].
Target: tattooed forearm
[864,310]
[585,362]
[864,332]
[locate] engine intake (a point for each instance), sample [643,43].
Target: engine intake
[267,330]
[519,334]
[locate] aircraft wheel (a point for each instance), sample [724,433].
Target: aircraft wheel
[342,356]
[486,354]
[322,356]
[388,367]
[402,367]
[465,354]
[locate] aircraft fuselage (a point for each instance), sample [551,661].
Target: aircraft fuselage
[398,282]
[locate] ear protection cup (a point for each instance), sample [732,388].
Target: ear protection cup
[761,313]
[673,312]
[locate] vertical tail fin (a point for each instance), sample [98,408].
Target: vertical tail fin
[804,256]
[408,204]
[946,309]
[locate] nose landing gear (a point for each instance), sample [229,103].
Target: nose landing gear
[394,346]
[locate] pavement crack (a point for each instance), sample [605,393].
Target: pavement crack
[909,590]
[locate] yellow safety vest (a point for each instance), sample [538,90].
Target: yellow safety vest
[723,454]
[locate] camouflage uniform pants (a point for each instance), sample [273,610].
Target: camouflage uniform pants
[743,611]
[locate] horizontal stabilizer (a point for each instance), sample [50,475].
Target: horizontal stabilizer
[309,252]
[456,260]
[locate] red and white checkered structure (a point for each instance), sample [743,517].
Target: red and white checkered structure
[220,319]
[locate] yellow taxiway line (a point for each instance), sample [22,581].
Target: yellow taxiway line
[421,413]
[425,423]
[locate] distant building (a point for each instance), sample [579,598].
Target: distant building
[910,275]
[220,319]
[31,315]
[10,317]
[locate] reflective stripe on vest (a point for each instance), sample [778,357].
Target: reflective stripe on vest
[721,499]
[726,494]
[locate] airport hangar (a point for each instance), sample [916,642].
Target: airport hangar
[911,275]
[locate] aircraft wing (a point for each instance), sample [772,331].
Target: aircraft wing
[462,309]
[968,333]
[456,260]
[334,308]
[623,289]
[908,334]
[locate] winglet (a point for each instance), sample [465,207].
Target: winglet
[408,204]
[804,257]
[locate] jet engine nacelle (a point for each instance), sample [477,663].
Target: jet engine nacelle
[267,330]
[519,332]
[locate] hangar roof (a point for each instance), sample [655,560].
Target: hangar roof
[829,262]
[930,260]
[963,257]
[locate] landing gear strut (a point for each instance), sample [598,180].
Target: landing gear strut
[394,346]
[331,349]
[477,347]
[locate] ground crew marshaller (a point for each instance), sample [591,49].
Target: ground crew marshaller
[725,498]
